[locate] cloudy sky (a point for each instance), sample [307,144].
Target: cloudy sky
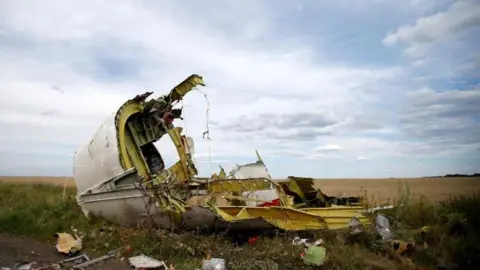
[360,88]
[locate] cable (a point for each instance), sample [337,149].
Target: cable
[206,134]
[186,130]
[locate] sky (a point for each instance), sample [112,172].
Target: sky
[328,89]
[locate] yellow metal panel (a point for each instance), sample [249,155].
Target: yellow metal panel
[240,185]
[293,186]
[175,136]
[282,218]
[135,157]
[293,219]
[186,86]
[125,113]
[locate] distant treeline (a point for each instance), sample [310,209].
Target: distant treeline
[456,175]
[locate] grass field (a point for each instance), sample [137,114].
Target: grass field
[383,190]
[29,207]
[378,190]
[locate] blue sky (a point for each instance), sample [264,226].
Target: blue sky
[363,88]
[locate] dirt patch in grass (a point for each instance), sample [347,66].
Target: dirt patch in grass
[16,249]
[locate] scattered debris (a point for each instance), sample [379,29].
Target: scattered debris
[97,260]
[252,240]
[145,262]
[402,247]
[314,252]
[20,266]
[354,225]
[67,244]
[315,255]
[382,225]
[299,241]
[374,209]
[214,264]
[75,260]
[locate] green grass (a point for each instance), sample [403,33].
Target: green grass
[39,211]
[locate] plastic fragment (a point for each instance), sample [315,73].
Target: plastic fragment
[315,255]
[383,227]
[145,262]
[214,264]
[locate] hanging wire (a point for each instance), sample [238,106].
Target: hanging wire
[206,133]
[186,130]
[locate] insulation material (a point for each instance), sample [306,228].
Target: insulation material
[255,170]
[99,160]
[145,262]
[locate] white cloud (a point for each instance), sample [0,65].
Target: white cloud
[65,69]
[329,147]
[437,28]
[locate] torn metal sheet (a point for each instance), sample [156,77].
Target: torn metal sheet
[105,257]
[121,176]
[75,260]
[145,262]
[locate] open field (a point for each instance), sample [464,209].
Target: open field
[39,180]
[382,190]
[379,190]
[30,213]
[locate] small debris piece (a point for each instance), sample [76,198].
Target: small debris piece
[214,264]
[67,244]
[383,227]
[316,243]
[315,255]
[354,225]
[401,247]
[145,262]
[27,266]
[75,260]
[299,241]
[19,266]
[252,240]
[97,260]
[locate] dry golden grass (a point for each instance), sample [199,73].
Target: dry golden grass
[39,180]
[383,190]
[380,190]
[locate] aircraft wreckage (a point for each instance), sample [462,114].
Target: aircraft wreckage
[121,176]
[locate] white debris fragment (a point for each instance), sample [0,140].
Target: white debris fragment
[214,264]
[145,262]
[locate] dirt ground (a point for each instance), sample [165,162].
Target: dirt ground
[15,249]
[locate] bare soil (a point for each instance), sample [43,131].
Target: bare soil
[14,249]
